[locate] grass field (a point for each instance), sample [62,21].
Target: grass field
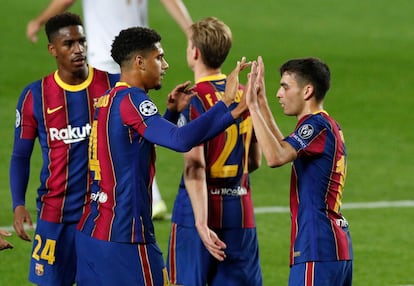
[368,46]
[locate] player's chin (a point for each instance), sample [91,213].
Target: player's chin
[158,86]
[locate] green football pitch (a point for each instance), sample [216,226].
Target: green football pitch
[369,48]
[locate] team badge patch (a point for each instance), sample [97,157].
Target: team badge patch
[39,269]
[305,131]
[18,118]
[147,108]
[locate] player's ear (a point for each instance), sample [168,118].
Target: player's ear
[196,53]
[140,61]
[52,49]
[309,91]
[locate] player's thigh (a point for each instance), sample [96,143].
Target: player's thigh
[53,258]
[188,261]
[242,263]
[107,263]
[329,273]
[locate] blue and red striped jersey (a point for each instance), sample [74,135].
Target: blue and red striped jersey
[226,156]
[60,115]
[126,126]
[319,231]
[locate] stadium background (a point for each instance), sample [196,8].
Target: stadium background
[368,46]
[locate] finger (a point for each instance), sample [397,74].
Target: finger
[186,84]
[23,235]
[260,67]
[252,77]
[6,245]
[218,254]
[20,231]
[245,65]
[5,233]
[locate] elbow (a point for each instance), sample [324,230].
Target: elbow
[280,158]
[273,165]
[274,162]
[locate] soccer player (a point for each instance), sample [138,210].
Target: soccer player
[321,247]
[58,110]
[4,244]
[214,196]
[116,242]
[102,23]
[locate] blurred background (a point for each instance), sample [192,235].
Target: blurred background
[368,46]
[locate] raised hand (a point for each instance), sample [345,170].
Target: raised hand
[260,82]
[180,97]
[232,82]
[252,87]
[33,27]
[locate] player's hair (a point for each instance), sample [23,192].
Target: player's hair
[310,70]
[213,38]
[133,40]
[55,23]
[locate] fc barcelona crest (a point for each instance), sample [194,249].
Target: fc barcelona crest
[39,269]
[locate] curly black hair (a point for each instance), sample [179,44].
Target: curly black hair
[132,40]
[55,23]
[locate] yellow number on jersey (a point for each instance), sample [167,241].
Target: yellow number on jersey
[93,152]
[48,251]
[219,169]
[341,169]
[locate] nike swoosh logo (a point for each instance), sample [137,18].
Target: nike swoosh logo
[50,111]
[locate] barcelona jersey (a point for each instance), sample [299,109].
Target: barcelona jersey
[126,126]
[60,115]
[226,155]
[319,231]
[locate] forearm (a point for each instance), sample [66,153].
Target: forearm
[270,121]
[20,170]
[19,178]
[55,7]
[182,139]
[179,13]
[195,183]
[269,142]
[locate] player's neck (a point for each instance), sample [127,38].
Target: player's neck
[200,72]
[311,107]
[73,77]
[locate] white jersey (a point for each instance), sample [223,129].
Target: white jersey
[104,19]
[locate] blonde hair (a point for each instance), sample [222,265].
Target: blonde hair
[213,38]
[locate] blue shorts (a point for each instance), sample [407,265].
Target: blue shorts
[189,262]
[107,263]
[338,273]
[53,259]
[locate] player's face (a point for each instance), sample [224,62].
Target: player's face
[69,48]
[155,67]
[291,95]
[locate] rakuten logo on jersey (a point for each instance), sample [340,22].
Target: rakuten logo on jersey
[70,134]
